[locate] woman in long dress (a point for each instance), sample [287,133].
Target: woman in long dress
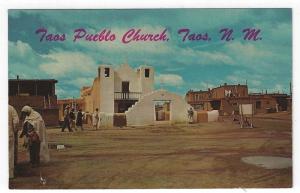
[35,119]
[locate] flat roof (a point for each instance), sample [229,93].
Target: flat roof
[32,80]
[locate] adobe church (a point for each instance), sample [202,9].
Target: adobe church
[131,92]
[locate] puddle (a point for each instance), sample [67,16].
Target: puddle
[268,162]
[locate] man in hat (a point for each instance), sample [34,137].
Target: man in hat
[79,119]
[66,119]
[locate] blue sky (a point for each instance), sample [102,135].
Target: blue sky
[179,66]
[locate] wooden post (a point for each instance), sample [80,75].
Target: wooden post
[252,116]
[49,102]
[35,87]
[44,102]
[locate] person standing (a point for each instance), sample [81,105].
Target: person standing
[72,119]
[191,115]
[96,119]
[13,121]
[79,119]
[36,120]
[66,119]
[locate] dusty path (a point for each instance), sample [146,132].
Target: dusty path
[206,155]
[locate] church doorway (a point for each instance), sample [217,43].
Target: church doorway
[162,110]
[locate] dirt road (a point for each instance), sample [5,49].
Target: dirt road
[205,155]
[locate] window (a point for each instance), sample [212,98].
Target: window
[147,72]
[258,105]
[106,72]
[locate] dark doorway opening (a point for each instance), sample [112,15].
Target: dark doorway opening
[125,89]
[282,103]
[258,105]
[216,104]
[125,86]
[162,110]
[123,105]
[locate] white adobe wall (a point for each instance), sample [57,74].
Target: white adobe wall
[104,100]
[146,83]
[106,91]
[137,80]
[126,73]
[143,112]
[106,120]
[212,115]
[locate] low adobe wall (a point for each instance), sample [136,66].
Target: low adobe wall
[143,112]
[207,116]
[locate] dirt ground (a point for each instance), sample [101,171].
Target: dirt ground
[204,155]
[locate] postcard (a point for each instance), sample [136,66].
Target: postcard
[150,98]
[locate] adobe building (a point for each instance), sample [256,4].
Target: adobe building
[127,95]
[37,93]
[273,102]
[226,98]
[115,90]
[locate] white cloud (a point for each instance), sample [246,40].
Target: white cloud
[23,60]
[81,81]
[255,82]
[65,63]
[278,87]
[247,50]
[169,79]
[240,77]
[20,47]
[233,78]
[202,86]
[205,57]
[66,93]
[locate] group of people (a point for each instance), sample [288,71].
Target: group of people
[34,134]
[72,120]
